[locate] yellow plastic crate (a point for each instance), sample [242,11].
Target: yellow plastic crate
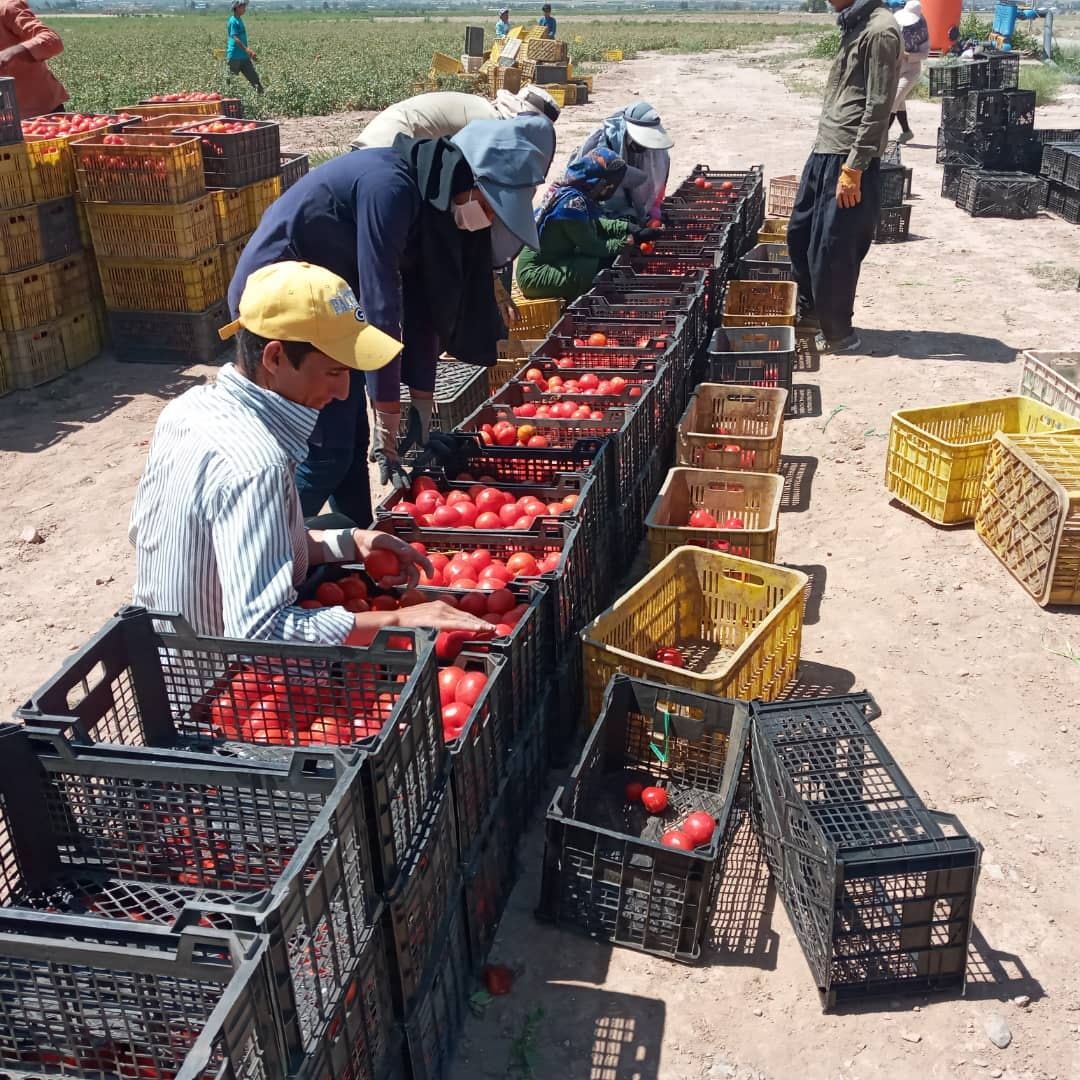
[232,213]
[444,64]
[936,456]
[613,56]
[27,298]
[20,239]
[738,623]
[16,188]
[1029,513]
[73,282]
[153,109]
[781,198]
[760,303]
[52,167]
[732,427]
[773,231]
[163,284]
[230,256]
[34,356]
[83,335]
[259,196]
[535,317]
[753,498]
[560,93]
[145,230]
[167,123]
[144,169]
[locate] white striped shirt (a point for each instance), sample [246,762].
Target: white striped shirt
[217,526]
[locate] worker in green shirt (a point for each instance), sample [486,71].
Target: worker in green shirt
[241,59]
[576,240]
[836,210]
[547,21]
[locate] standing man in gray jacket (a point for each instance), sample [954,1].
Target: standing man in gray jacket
[836,211]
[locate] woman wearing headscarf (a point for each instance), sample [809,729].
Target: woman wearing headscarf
[636,135]
[415,230]
[576,239]
[916,48]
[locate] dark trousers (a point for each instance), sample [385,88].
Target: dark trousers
[245,67]
[340,475]
[827,245]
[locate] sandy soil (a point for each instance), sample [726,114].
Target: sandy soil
[978,704]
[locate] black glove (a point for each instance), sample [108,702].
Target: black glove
[417,427]
[645,233]
[391,471]
[439,450]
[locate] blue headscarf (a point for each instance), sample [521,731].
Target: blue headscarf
[588,181]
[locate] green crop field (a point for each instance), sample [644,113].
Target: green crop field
[316,63]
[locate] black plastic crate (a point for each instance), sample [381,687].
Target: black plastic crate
[1023,152]
[10,117]
[984,109]
[433,1026]
[58,224]
[676,268]
[528,764]
[187,840]
[231,107]
[1055,160]
[953,114]
[478,757]
[950,181]
[894,224]
[294,166]
[893,182]
[1003,71]
[663,332]
[767,262]
[978,149]
[563,723]
[879,888]
[89,999]
[136,685]
[460,389]
[572,587]
[420,899]
[631,515]
[489,870]
[1020,108]
[962,75]
[1064,202]
[607,301]
[1056,135]
[605,871]
[752,356]
[168,337]
[235,159]
[1000,194]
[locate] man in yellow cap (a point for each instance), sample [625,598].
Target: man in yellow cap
[217,526]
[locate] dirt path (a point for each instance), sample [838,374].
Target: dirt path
[978,707]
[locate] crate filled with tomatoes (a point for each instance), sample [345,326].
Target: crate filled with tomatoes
[633,839]
[613,301]
[146,680]
[186,840]
[237,152]
[733,427]
[206,101]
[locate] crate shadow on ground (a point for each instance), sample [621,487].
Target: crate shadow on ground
[740,932]
[817,681]
[33,420]
[993,974]
[804,402]
[815,591]
[798,474]
[936,345]
[807,358]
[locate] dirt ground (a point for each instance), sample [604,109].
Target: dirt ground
[979,704]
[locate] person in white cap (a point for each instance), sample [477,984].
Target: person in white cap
[636,135]
[915,35]
[443,113]
[217,523]
[502,23]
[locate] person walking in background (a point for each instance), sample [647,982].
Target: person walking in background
[25,44]
[839,199]
[636,135]
[238,56]
[915,38]
[502,24]
[547,21]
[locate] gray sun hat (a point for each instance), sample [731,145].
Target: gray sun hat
[644,127]
[509,160]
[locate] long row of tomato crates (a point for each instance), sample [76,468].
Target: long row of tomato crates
[168,193]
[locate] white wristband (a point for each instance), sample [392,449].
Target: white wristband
[339,546]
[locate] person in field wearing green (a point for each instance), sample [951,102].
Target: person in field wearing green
[576,240]
[241,59]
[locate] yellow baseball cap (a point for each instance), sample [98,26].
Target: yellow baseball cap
[297,301]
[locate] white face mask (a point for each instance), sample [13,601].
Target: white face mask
[470,216]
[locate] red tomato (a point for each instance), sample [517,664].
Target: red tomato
[671,656]
[618,384]
[449,677]
[384,603]
[522,564]
[589,381]
[330,594]
[699,827]
[412,597]
[455,497]
[501,601]
[356,605]
[459,568]
[470,688]
[633,791]
[654,799]
[646,247]
[496,572]
[734,522]
[679,840]
[498,979]
[488,520]
[465,583]
[428,501]
[475,604]
[479,559]
[505,436]
[312,604]
[534,375]
[353,588]
[489,499]
[381,564]
[702,519]
[699,182]
[550,563]
[598,341]
[446,517]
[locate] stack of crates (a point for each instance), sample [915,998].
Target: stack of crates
[153,228]
[50,304]
[1060,169]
